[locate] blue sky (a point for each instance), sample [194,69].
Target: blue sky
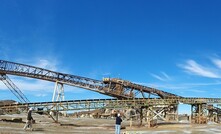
[171,45]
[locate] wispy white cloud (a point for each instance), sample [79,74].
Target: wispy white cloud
[162,77]
[28,84]
[193,67]
[157,77]
[53,64]
[187,89]
[50,63]
[217,62]
[181,86]
[166,76]
[44,63]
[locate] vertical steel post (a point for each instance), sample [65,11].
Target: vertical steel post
[58,92]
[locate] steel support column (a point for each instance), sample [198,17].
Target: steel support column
[57,96]
[58,92]
[198,113]
[172,113]
[150,117]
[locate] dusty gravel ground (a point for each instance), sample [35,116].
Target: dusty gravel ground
[45,125]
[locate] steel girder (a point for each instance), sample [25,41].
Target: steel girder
[112,103]
[198,110]
[121,91]
[13,88]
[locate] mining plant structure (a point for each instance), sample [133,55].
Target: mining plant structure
[148,103]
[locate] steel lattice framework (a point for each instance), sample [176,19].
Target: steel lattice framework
[110,88]
[110,103]
[13,88]
[128,94]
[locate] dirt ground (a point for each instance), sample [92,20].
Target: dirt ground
[45,125]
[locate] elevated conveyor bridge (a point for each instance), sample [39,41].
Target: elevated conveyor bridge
[111,87]
[199,106]
[91,104]
[127,94]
